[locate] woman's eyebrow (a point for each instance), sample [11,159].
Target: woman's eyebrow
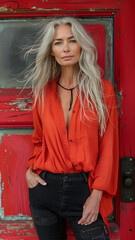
[71,37]
[60,39]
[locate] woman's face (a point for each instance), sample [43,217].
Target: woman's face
[65,48]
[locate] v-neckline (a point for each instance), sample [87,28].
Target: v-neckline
[62,113]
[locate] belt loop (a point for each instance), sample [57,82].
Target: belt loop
[85,176]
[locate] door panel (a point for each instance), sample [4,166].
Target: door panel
[15,105]
[15,149]
[16,36]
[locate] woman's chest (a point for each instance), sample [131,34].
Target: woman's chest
[56,117]
[67,103]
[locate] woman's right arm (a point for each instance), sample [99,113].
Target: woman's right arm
[32,178]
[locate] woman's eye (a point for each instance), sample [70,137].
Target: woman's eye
[57,43]
[73,41]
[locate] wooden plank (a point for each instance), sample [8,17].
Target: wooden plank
[24,230]
[127,221]
[61,4]
[127,113]
[19,230]
[127,60]
[118,96]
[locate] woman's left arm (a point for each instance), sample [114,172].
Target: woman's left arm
[106,172]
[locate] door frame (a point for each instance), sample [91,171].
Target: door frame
[124,72]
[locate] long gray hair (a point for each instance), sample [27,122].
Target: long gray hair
[88,75]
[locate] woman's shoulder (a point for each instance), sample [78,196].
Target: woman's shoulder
[107,86]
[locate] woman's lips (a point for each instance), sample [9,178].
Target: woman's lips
[67,57]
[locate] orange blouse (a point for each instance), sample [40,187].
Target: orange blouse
[83,149]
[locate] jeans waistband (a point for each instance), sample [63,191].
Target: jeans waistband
[78,176]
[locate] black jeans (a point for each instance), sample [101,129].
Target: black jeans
[62,199]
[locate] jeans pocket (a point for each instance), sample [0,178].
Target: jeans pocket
[95,232]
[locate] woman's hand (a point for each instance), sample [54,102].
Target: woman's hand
[33,179]
[91,208]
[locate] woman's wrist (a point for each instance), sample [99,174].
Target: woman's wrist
[97,193]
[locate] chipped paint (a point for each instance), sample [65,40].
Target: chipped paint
[18,217]
[109,67]
[1,208]
[18,230]
[3,9]
[119,98]
[15,108]
[10,132]
[21,105]
[45,9]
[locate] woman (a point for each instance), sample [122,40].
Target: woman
[72,174]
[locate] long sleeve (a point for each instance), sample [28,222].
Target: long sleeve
[106,172]
[37,136]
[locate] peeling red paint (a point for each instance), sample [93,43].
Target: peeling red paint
[60,4]
[15,108]
[15,150]
[12,114]
[108,59]
[22,230]
[14,97]
[11,230]
[108,55]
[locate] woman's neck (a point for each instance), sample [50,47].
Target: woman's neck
[67,77]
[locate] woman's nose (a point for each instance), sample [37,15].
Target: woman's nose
[66,47]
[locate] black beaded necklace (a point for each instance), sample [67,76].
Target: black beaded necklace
[69,89]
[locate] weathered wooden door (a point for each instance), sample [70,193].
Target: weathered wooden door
[19,23]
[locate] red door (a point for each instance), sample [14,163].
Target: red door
[111,31]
